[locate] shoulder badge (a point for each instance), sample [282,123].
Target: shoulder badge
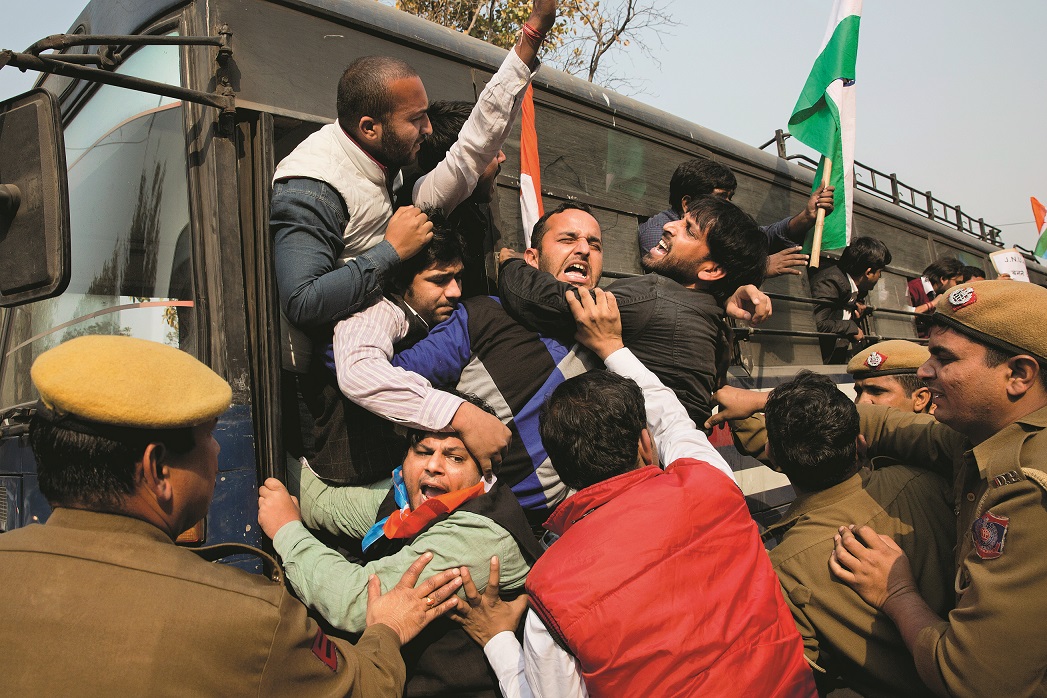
[989,531]
[875,359]
[961,297]
[325,650]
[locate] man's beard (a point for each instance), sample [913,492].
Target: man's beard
[669,267]
[397,152]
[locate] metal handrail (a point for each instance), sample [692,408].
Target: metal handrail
[889,188]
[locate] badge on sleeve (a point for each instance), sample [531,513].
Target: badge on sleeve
[989,531]
[325,651]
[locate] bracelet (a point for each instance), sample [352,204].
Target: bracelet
[532,33]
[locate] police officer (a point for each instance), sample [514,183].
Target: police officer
[99,600]
[988,345]
[885,374]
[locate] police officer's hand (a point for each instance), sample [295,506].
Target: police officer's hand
[483,434]
[736,403]
[406,608]
[750,304]
[485,615]
[408,231]
[598,322]
[871,564]
[787,261]
[276,507]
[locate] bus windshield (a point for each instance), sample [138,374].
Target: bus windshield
[131,245]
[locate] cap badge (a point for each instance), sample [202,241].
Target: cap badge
[875,360]
[961,297]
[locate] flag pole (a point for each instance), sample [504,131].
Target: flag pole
[819,220]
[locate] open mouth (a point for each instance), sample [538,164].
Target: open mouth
[576,273]
[430,491]
[661,249]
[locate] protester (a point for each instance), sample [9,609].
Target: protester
[473,218]
[106,604]
[986,375]
[708,619]
[702,176]
[939,276]
[812,437]
[841,291]
[480,350]
[710,260]
[437,502]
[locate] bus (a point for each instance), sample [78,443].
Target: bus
[134,193]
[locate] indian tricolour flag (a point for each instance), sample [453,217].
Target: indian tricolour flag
[1039,212]
[531,208]
[823,117]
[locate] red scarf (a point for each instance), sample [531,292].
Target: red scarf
[407,523]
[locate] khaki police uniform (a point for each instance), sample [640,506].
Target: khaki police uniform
[843,636]
[994,641]
[105,604]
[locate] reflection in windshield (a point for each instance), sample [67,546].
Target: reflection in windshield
[131,244]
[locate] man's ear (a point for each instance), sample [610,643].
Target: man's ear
[155,475]
[369,130]
[710,271]
[530,256]
[645,451]
[684,202]
[921,397]
[769,458]
[1023,375]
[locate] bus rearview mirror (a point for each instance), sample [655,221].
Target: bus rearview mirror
[34,200]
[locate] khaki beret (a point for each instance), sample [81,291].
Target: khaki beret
[1008,315]
[128,382]
[890,358]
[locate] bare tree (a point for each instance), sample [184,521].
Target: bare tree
[586,31]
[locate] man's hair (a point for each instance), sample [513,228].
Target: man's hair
[735,242]
[943,268]
[970,272]
[540,226]
[864,253]
[910,382]
[811,431]
[364,89]
[590,427]
[93,470]
[445,247]
[447,120]
[697,178]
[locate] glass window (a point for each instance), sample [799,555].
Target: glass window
[129,210]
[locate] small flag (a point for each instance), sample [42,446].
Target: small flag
[824,118]
[531,208]
[1039,212]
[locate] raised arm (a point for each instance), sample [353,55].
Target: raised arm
[674,434]
[454,178]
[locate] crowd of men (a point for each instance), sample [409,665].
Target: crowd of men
[514,494]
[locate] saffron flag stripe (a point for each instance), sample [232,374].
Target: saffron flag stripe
[824,115]
[531,208]
[1039,213]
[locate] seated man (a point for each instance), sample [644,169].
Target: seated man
[100,601]
[703,176]
[812,432]
[673,317]
[435,502]
[613,613]
[841,291]
[480,350]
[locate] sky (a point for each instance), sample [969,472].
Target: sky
[952,94]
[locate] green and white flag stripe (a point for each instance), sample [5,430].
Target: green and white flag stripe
[824,117]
